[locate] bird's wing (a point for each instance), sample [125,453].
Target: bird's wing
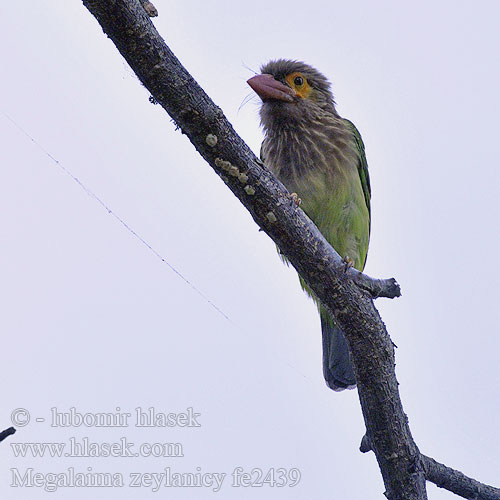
[362,164]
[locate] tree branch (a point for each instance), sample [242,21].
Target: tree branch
[456,482]
[348,295]
[6,433]
[448,478]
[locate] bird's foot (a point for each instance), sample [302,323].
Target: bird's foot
[348,263]
[295,198]
[149,8]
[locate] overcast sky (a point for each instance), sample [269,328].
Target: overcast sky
[92,319]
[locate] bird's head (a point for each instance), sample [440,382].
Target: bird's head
[291,91]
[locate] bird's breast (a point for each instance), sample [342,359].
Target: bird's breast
[297,151]
[321,166]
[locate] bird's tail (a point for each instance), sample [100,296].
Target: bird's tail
[337,366]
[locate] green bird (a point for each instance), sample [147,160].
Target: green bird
[320,158]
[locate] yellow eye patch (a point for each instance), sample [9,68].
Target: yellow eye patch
[298,82]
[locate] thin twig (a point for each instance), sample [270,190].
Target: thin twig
[6,433]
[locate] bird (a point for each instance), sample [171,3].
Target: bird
[320,158]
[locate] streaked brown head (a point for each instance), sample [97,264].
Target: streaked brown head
[291,91]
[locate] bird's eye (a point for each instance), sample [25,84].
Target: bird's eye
[298,80]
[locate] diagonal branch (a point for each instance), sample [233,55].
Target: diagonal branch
[6,433]
[456,482]
[130,29]
[347,295]
[448,478]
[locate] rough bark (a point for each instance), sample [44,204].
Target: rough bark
[448,478]
[347,294]
[456,482]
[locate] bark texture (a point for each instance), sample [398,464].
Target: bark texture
[456,482]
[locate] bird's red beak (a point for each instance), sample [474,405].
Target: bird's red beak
[267,87]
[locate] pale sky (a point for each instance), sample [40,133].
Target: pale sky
[92,319]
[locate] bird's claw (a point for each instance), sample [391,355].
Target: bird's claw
[295,198]
[348,263]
